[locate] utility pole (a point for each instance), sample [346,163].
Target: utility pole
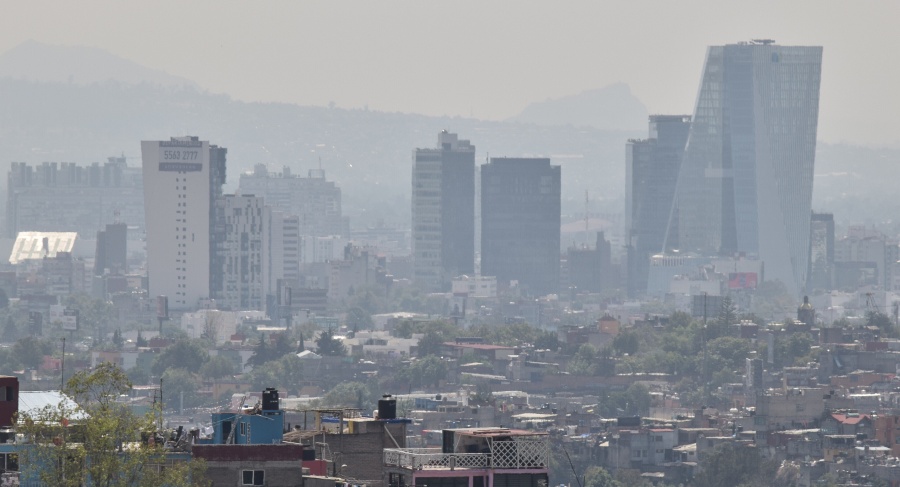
[705,354]
[62,367]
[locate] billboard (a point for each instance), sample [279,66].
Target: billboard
[742,280]
[70,319]
[162,308]
[713,304]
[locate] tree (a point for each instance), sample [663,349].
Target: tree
[327,344]
[30,351]
[212,323]
[180,383]
[83,443]
[266,352]
[141,341]
[350,394]
[424,372]
[285,373]
[584,361]
[626,342]
[430,344]
[547,341]
[217,367]
[881,321]
[598,477]
[10,331]
[734,464]
[183,354]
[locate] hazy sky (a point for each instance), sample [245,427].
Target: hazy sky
[482,58]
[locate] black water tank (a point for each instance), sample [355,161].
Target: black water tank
[387,407]
[270,399]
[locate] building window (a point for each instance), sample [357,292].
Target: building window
[253,477]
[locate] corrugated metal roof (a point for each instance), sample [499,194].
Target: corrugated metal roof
[32,402]
[30,245]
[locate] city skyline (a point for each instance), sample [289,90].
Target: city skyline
[336,47]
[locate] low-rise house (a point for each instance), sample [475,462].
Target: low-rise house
[477,457]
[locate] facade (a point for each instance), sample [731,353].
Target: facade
[520,223]
[243,223]
[651,172]
[820,274]
[745,184]
[56,197]
[590,270]
[476,457]
[315,201]
[183,177]
[112,250]
[443,212]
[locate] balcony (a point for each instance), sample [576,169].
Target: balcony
[516,454]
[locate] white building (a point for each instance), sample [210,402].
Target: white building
[315,201]
[182,178]
[242,252]
[322,249]
[219,325]
[475,286]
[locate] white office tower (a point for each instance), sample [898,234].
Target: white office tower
[183,177]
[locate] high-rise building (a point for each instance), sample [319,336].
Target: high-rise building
[111,254]
[520,223]
[651,171]
[745,184]
[183,177]
[443,212]
[315,201]
[820,274]
[67,197]
[590,270]
[244,223]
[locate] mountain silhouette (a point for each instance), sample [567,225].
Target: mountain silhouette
[613,107]
[35,61]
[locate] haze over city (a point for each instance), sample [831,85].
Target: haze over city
[477,59]
[460,244]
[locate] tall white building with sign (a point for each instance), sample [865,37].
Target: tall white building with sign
[182,178]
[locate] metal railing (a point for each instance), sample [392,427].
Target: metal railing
[505,454]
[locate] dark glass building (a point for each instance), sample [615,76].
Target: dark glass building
[520,223]
[651,171]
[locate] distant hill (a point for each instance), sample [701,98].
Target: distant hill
[109,107]
[610,108]
[34,61]
[368,153]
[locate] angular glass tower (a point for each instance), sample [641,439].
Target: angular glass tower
[745,184]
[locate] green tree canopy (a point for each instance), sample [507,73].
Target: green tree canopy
[734,464]
[30,351]
[84,443]
[217,367]
[350,394]
[327,344]
[183,354]
[178,383]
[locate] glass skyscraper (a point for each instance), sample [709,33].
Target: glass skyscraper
[745,184]
[443,212]
[651,170]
